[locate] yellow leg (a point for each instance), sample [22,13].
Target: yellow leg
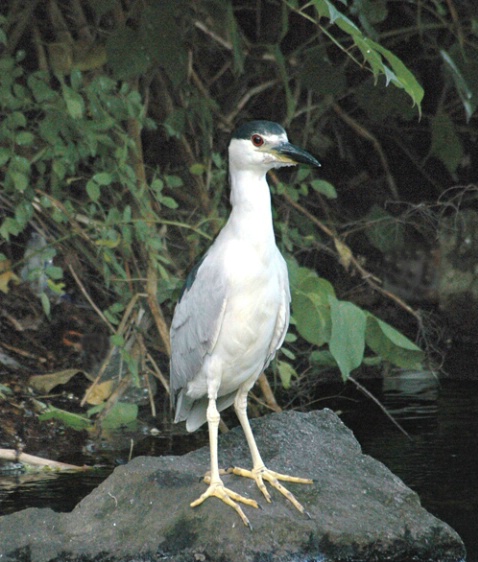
[216,487]
[259,471]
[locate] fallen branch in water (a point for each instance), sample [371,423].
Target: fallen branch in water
[24,458]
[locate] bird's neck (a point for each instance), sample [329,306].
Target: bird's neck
[251,215]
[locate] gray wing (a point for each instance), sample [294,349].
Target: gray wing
[282,323]
[196,323]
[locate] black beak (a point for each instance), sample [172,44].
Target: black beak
[289,153]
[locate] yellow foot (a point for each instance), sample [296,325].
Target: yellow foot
[263,473]
[218,490]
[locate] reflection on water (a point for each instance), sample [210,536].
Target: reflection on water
[439,460]
[61,492]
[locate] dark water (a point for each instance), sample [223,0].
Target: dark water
[439,460]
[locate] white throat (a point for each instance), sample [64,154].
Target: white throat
[251,215]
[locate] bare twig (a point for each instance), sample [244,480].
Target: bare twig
[89,299]
[113,399]
[120,331]
[214,36]
[152,290]
[268,394]
[251,92]
[364,133]
[15,456]
[380,405]
[40,48]
[158,373]
[22,22]
[368,277]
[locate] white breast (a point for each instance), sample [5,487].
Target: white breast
[255,316]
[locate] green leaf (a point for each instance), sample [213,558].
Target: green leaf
[24,212]
[404,78]
[117,339]
[5,154]
[325,188]
[45,303]
[121,413]
[10,226]
[76,80]
[93,190]
[384,231]
[286,372]
[287,352]
[310,305]
[175,123]
[24,138]
[347,340]
[16,120]
[461,64]
[20,181]
[75,421]
[56,288]
[169,202]
[322,358]
[391,345]
[38,83]
[446,145]
[75,104]
[285,77]
[173,181]
[59,168]
[372,52]
[197,169]
[235,38]
[103,178]
[54,272]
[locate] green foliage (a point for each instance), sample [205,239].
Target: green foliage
[321,318]
[446,144]
[81,122]
[380,60]
[121,414]
[116,152]
[384,231]
[75,421]
[460,63]
[347,338]
[310,304]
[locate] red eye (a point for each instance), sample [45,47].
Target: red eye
[257,140]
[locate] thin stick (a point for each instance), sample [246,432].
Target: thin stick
[88,298]
[15,456]
[368,277]
[152,290]
[380,405]
[158,373]
[366,134]
[268,394]
[120,331]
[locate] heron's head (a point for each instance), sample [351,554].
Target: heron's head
[263,145]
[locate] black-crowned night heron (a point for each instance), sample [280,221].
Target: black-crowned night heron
[233,314]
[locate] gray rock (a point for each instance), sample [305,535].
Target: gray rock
[359,510]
